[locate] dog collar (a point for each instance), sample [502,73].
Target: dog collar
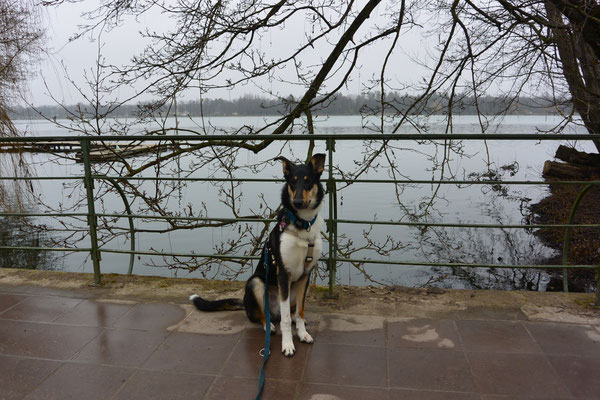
[297,221]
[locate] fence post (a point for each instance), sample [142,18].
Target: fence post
[332,222]
[597,298]
[88,181]
[568,235]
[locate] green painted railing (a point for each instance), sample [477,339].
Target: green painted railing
[334,256]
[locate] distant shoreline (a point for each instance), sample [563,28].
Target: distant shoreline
[15,117]
[254,106]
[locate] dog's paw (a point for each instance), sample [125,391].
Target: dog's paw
[273,329]
[192,297]
[305,337]
[287,348]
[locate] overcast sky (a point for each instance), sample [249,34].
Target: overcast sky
[79,57]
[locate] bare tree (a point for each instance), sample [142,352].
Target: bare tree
[521,47]
[21,37]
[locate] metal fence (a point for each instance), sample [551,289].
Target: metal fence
[55,143]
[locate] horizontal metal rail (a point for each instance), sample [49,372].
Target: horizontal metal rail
[53,214]
[280,180]
[462,265]
[37,248]
[303,137]
[339,221]
[337,259]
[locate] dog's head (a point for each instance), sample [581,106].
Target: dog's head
[303,186]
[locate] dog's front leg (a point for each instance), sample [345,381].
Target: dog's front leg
[287,342]
[301,289]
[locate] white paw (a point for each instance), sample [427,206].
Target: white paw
[192,297]
[305,337]
[287,347]
[273,329]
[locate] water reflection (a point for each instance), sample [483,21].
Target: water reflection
[21,232]
[505,246]
[499,246]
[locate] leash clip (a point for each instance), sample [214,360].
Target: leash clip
[261,352]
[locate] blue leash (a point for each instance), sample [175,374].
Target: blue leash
[267,349]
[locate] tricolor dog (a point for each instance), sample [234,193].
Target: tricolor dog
[292,251]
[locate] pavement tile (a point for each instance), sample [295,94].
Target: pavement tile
[334,392]
[81,382]
[212,323]
[121,347]
[7,300]
[580,374]
[406,394]
[346,365]
[516,374]
[161,385]
[430,369]
[94,313]
[19,376]
[245,388]
[245,361]
[256,331]
[46,291]
[40,308]
[496,336]
[484,312]
[423,333]
[58,342]
[193,353]
[361,330]
[567,339]
[151,316]
[513,397]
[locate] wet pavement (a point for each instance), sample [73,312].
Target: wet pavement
[60,344]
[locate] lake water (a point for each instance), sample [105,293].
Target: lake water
[451,204]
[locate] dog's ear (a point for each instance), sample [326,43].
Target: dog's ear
[318,163]
[287,165]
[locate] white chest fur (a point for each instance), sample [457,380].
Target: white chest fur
[294,247]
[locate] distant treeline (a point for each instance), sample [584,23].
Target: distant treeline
[251,105]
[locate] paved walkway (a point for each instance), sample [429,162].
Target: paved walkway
[65,345]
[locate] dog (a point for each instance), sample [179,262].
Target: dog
[291,250]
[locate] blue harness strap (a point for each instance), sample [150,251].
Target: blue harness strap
[267,349]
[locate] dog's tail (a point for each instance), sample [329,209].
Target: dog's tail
[216,305]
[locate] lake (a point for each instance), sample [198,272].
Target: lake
[507,204]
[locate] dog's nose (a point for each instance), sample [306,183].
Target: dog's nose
[297,203]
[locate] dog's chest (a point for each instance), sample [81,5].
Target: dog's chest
[294,249]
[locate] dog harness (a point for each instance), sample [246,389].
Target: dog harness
[299,223]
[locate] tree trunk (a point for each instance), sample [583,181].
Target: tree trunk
[572,156]
[568,171]
[580,67]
